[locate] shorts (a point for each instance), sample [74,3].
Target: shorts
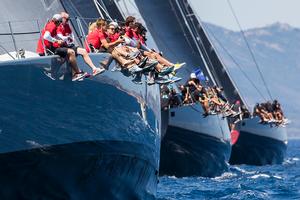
[195,95]
[63,51]
[101,49]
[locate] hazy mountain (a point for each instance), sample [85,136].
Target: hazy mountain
[277,51]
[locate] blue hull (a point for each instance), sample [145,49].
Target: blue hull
[188,153]
[83,170]
[75,140]
[253,149]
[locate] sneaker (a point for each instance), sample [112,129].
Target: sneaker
[98,71]
[166,71]
[79,76]
[149,66]
[150,81]
[49,74]
[162,80]
[116,68]
[177,66]
[205,115]
[135,69]
[175,79]
[212,113]
[272,120]
[137,79]
[143,62]
[227,114]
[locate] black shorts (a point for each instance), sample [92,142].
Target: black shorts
[63,51]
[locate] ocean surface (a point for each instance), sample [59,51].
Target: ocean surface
[241,182]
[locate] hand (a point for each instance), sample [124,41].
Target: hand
[121,40]
[60,42]
[70,39]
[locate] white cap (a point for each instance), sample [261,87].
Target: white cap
[193,75]
[115,24]
[57,17]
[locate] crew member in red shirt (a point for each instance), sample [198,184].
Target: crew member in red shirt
[129,22]
[50,41]
[97,39]
[64,32]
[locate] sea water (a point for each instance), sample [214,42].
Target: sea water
[241,182]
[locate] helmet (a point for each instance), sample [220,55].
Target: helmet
[193,75]
[57,17]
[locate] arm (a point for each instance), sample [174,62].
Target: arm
[48,37]
[64,38]
[111,44]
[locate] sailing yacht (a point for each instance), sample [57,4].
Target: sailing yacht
[193,145]
[98,138]
[254,143]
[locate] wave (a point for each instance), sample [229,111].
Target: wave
[260,176]
[291,160]
[243,171]
[225,175]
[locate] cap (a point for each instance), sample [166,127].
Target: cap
[193,75]
[64,15]
[57,17]
[115,24]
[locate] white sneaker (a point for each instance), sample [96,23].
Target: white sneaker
[79,76]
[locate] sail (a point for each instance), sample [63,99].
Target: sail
[170,35]
[86,12]
[19,28]
[214,63]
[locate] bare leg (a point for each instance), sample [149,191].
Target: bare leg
[72,60]
[232,126]
[162,60]
[159,67]
[115,54]
[122,51]
[86,58]
[159,58]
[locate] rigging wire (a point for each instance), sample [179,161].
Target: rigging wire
[249,48]
[197,44]
[101,7]
[235,62]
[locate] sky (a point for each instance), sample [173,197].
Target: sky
[251,13]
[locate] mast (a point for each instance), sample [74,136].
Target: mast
[214,63]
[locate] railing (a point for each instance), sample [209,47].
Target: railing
[19,35]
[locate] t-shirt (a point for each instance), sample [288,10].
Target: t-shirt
[128,32]
[52,28]
[94,38]
[142,40]
[113,37]
[64,29]
[138,37]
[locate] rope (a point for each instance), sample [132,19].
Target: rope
[250,50]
